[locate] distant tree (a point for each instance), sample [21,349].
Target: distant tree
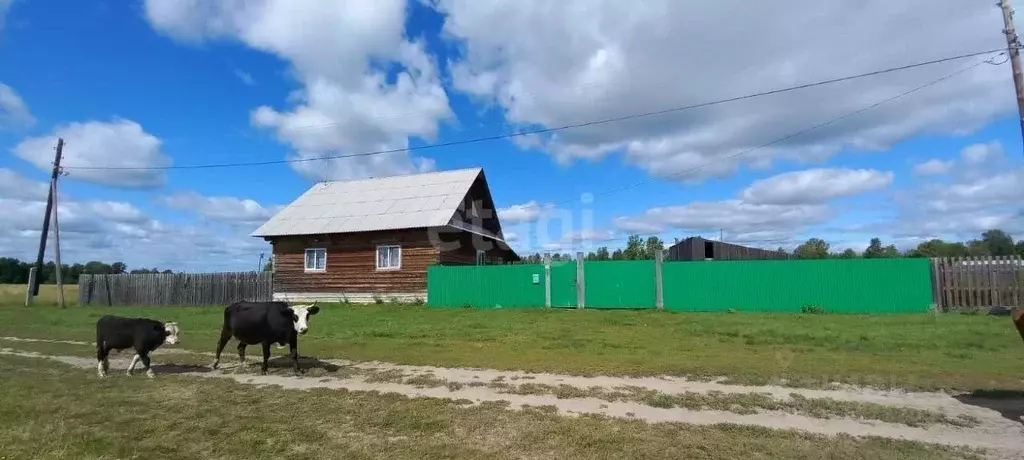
[874,249]
[814,248]
[602,253]
[977,248]
[591,256]
[618,255]
[269,266]
[1019,248]
[847,254]
[654,245]
[635,248]
[998,242]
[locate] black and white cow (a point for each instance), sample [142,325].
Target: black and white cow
[265,323]
[115,333]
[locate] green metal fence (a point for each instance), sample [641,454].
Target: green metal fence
[619,284]
[837,286]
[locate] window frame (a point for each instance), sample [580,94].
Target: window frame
[305,260]
[389,267]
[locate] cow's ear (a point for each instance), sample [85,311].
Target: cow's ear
[313,310]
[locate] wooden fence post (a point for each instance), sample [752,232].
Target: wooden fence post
[547,280]
[659,288]
[936,289]
[581,285]
[31,282]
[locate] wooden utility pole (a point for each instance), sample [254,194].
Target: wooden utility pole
[46,219]
[56,246]
[1013,45]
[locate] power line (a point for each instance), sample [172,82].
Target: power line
[546,130]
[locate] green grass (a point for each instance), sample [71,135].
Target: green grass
[959,352]
[14,294]
[50,411]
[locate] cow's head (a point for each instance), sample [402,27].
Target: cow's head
[171,330]
[301,314]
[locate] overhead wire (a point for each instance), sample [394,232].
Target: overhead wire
[540,130]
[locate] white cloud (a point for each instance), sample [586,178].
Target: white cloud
[225,209]
[524,213]
[933,167]
[340,52]
[114,231]
[245,77]
[4,5]
[118,143]
[977,154]
[16,186]
[742,220]
[587,59]
[815,185]
[13,111]
[985,193]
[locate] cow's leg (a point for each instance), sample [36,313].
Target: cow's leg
[131,367]
[101,359]
[293,351]
[225,335]
[266,357]
[145,363]
[241,354]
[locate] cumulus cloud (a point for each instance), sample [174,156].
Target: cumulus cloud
[13,110]
[586,59]
[342,53]
[736,216]
[114,230]
[933,167]
[815,185]
[984,194]
[524,213]
[118,143]
[225,209]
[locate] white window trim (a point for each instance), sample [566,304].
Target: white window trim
[376,257]
[305,260]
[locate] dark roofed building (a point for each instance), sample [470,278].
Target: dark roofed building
[697,248]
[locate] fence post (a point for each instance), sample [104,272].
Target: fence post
[936,289]
[581,285]
[31,282]
[659,291]
[547,280]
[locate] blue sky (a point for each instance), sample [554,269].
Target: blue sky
[162,82]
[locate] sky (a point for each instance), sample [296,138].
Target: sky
[143,90]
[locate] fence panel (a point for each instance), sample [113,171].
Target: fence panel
[838,286]
[979,282]
[214,289]
[620,284]
[490,286]
[563,284]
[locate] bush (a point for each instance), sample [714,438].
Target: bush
[813,310]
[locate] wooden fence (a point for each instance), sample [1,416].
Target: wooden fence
[215,289]
[978,282]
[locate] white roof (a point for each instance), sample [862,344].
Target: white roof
[386,203]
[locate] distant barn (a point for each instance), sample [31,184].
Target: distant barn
[697,248]
[375,238]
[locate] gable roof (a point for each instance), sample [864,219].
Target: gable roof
[385,203]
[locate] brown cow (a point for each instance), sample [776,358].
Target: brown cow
[1018,320]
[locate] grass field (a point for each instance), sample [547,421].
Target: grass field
[14,294]
[50,411]
[916,351]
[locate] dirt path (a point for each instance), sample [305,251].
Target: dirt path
[999,428]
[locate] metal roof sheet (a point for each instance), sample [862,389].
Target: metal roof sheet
[385,203]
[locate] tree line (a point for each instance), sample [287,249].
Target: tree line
[14,271]
[993,242]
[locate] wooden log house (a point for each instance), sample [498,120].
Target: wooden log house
[373,239]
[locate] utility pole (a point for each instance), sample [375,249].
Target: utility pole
[46,219]
[1013,45]
[56,247]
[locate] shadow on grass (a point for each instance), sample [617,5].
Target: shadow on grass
[1009,403]
[179,369]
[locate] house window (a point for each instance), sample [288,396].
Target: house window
[316,260]
[389,257]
